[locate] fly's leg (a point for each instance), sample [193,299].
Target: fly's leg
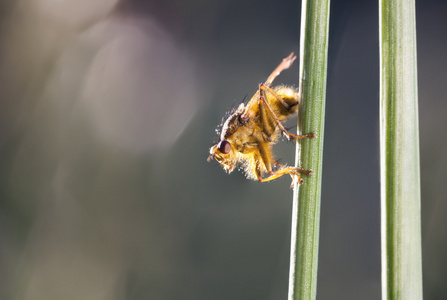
[266,160]
[298,179]
[285,64]
[264,105]
[292,171]
[301,170]
[274,94]
[264,163]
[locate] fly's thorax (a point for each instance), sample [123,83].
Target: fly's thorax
[233,122]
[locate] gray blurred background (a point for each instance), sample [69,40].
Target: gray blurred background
[108,109]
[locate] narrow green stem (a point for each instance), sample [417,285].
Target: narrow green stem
[309,155]
[399,152]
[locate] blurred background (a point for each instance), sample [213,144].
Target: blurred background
[108,109]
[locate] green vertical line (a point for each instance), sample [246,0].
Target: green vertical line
[399,142]
[306,210]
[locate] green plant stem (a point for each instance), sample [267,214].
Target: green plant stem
[399,152]
[306,210]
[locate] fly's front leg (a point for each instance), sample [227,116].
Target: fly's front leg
[279,173]
[294,174]
[264,103]
[301,170]
[292,171]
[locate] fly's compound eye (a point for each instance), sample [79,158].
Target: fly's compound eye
[224,147]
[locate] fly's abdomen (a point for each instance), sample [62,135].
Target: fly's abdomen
[291,100]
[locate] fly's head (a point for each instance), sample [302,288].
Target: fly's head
[224,154]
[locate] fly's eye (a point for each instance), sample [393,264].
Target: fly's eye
[224,147]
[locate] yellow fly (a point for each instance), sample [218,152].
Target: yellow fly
[249,133]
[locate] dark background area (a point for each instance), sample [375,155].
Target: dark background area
[107,112]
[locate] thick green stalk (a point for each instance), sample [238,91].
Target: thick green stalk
[399,153]
[306,210]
